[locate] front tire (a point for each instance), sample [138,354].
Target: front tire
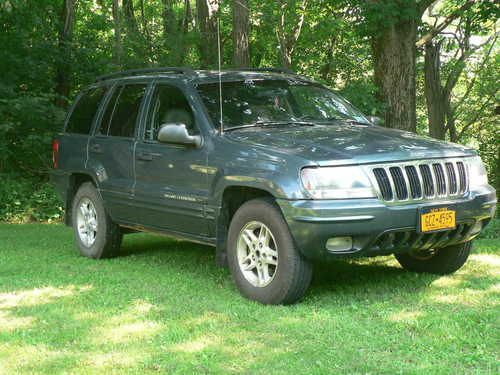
[96,235]
[439,261]
[263,259]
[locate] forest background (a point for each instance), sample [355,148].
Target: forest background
[430,67]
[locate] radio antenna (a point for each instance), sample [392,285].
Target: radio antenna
[220,75]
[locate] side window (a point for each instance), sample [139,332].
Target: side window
[110,109]
[121,113]
[83,114]
[169,105]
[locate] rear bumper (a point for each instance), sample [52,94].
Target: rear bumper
[378,229]
[59,179]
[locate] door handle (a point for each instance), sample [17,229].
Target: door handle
[147,156]
[96,148]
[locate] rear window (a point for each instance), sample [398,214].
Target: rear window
[122,111]
[83,114]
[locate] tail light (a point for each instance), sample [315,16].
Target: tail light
[55,153]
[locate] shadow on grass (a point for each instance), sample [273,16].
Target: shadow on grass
[328,277]
[376,272]
[141,244]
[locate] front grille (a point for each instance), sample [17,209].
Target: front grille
[421,180]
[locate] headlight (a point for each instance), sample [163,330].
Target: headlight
[477,173]
[337,183]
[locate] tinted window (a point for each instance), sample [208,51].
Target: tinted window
[250,101]
[110,108]
[122,110]
[83,114]
[169,106]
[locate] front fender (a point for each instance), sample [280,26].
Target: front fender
[279,183]
[236,164]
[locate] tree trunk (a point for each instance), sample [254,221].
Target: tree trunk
[241,32]
[118,50]
[175,31]
[131,21]
[394,56]
[63,68]
[147,35]
[434,93]
[169,24]
[207,20]
[287,40]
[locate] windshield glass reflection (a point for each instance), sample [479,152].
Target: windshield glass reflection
[276,101]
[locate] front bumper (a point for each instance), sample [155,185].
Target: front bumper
[377,228]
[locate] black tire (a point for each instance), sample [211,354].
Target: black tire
[108,236]
[442,262]
[293,273]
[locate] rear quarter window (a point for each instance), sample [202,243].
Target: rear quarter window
[122,110]
[80,120]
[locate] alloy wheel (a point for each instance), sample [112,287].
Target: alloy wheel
[86,220]
[257,254]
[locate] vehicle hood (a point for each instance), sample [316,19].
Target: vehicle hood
[337,144]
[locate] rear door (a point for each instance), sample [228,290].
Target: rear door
[171,180]
[73,144]
[111,149]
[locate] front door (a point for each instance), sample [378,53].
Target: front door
[171,179]
[111,150]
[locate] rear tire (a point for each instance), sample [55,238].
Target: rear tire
[263,259]
[96,235]
[443,261]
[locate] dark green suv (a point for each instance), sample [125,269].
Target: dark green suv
[274,170]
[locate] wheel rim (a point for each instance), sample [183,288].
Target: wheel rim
[257,254]
[86,221]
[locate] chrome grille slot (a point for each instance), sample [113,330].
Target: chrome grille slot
[461,177]
[420,180]
[383,183]
[452,178]
[425,170]
[399,183]
[440,181]
[415,187]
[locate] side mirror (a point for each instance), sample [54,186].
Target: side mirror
[375,120]
[177,133]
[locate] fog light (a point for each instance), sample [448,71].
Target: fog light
[339,244]
[477,227]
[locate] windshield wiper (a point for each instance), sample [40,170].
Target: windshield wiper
[348,120]
[270,124]
[357,122]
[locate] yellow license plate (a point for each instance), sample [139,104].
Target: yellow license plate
[437,219]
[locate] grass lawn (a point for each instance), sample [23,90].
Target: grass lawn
[163,306]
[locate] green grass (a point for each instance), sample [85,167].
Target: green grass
[163,306]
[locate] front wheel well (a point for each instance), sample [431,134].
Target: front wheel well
[232,199]
[75,181]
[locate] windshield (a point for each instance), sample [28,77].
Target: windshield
[275,101]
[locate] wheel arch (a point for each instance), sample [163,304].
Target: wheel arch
[233,197]
[75,180]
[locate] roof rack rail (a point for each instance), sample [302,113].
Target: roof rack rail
[276,70]
[134,72]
